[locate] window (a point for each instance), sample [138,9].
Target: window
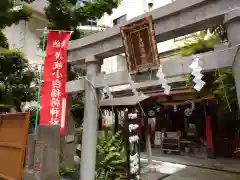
[120,20]
[80,3]
[184,38]
[121,63]
[92,23]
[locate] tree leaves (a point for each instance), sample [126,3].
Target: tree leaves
[16,78]
[64,15]
[111,157]
[9,17]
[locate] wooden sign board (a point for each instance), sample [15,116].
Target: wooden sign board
[13,142]
[140,45]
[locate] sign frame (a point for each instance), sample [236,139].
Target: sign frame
[142,55]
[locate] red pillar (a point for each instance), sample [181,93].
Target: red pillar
[209,137]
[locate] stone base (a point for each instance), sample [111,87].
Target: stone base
[153,176]
[210,153]
[28,174]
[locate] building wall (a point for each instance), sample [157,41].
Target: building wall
[16,36]
[132,9]
[38,5]
[22,38]
[32,50]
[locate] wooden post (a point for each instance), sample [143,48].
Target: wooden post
[116,120]
[126,135]
[132,146]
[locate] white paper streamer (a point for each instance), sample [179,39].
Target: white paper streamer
[106,87]
[131,82]
[193,105]
[133,139]
[134,166]
[196,72]
[132,116]
[132,127]
[175,108]
[163,81]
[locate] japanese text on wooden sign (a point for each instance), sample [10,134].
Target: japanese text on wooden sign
[140,45]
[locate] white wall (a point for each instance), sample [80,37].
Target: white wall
[22,38]
[16,35]
[32,50]
[38,5]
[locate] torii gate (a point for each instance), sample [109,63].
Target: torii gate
[176,19]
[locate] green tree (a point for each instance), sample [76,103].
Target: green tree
[16,77]
[66,15]
[10,16]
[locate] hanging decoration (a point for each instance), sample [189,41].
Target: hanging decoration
[132,146]
[107,88]
[131,82]
[196,72]
[193,105]
[175,108]
[188,112]
[163,81]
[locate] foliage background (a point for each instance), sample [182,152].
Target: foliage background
[16,76]
[219,83]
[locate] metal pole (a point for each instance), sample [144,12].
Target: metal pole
[148,140]
[45,34]
[90,123]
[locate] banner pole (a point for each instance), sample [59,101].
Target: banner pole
[53,30]
[40,79]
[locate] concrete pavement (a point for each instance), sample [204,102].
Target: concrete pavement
[221,164]
[171,171]
[194,173]
[158,170]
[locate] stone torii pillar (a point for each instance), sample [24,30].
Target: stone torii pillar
[90,122]
[232,22]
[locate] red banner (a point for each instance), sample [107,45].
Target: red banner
[53,92]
